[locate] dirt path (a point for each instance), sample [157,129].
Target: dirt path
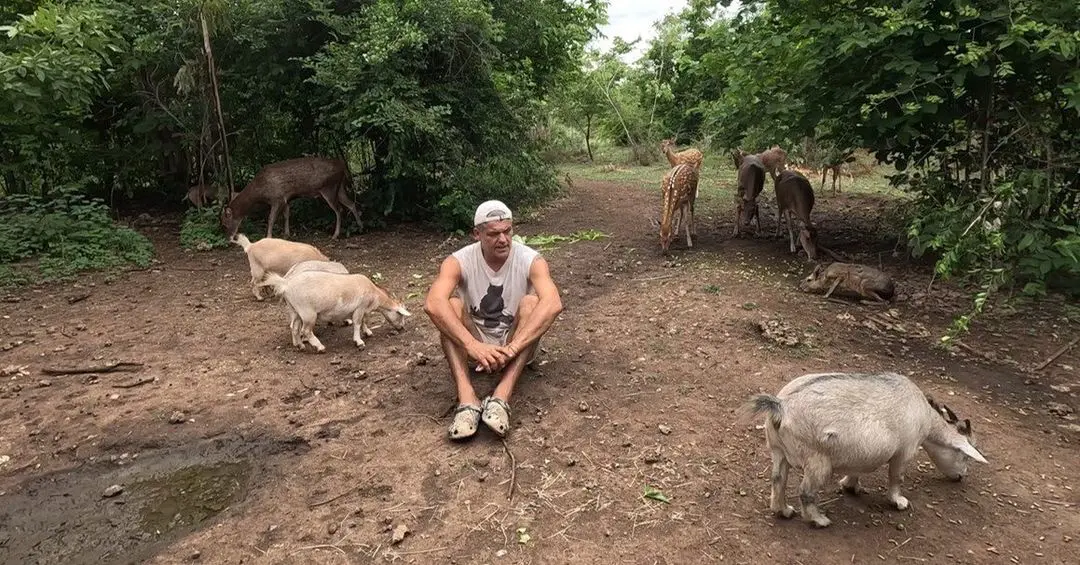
[278,456]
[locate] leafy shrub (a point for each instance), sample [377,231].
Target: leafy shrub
[519,181]
[201,229]
[66,235]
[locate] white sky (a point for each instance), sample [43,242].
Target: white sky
[630,19]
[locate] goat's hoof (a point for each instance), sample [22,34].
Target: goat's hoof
[786,512]
[900,502]
[821,522]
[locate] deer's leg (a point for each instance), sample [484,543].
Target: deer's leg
[685,210]
[832,288]
[343,198]
[331,201]
[275,206]
[791,231]
[287,214]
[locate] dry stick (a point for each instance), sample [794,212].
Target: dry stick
[1057,354]
[111,367]
[513,470]
[344,494]
[78,297]
[139,382]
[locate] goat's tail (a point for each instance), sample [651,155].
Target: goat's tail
[762,404]
[276,282]
[241,240]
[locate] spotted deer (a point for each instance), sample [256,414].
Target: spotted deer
[795,197]
[679,189]
[691,156]
[277,183]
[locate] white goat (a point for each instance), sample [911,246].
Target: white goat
[272,255]
[854,423]
[313,265]
[319,296]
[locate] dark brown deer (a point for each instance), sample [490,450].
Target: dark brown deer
[751,181]
[795,197]
[277,183]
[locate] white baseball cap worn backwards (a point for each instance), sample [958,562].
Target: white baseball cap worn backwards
[491,211]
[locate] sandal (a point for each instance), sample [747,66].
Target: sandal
[466,420]
[497,415]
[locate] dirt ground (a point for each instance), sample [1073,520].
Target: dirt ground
[232,447]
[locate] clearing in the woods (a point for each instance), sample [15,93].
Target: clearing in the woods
[232,447]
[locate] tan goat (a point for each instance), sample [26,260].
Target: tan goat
[272,255]
[320,296]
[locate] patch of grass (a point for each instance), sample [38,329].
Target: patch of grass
[55,239]
[545,242]
[201,230]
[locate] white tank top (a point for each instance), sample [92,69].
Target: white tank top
[491,297]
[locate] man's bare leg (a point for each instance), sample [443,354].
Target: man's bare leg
[496,408]
[458,361]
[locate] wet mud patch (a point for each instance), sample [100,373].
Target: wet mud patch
[126,511]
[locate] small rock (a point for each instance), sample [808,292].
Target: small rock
[195,555]
[44,383]
[1066,389]
[653,457]
[482,477]
[900,527]
[399,534]
[570,462]
[177,418]
[331,528]
[500,553]
[112,491]
[666,430]
[1059,408]
[583,406]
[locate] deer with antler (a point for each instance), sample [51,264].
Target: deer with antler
[679,191]
[277,183]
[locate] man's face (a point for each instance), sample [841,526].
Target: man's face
[494,238]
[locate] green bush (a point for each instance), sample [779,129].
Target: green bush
[201,229]
[64,235]
[520,181]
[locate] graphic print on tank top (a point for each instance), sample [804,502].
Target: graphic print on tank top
[492,308]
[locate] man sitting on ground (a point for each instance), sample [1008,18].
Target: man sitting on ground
[492,301]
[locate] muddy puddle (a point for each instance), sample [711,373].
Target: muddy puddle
[75,516]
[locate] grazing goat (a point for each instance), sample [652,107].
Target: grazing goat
[751,181]
[277,183]
[795,197]
[320,296]
[852,424]
[679,191]
[317,265]
[850,279]
[271,255]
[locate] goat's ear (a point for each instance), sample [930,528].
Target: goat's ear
[950,416]
[964,427]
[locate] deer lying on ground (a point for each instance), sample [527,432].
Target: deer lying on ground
[795,197]
[852,424]
[850,279]
[320,296]
[678,193]
[201,194]
[751,181]
[277,183]
[274,256]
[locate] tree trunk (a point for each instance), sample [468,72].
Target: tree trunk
[217,101]
[588,133]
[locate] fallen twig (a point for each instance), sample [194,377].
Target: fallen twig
[78,297]
[111,367]
[192,269]
[658,278]
[1057,354]
[513,471]
[381,379]
[329,500]
[139,382]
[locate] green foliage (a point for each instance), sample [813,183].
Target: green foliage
[201,229]
[64,236]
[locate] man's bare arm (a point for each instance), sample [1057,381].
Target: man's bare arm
[548,306]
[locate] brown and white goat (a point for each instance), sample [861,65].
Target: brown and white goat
[320,296]
[795,197]
[678,190]
[852,424]
[272,255]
